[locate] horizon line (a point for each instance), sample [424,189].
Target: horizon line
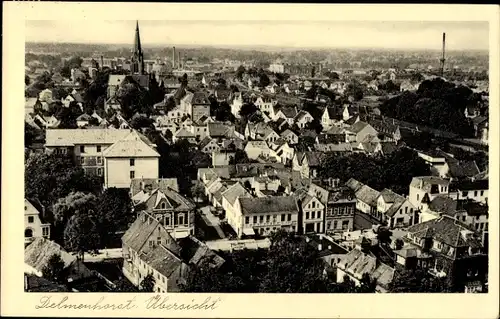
[255,46]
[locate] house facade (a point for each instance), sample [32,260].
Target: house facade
[34,226]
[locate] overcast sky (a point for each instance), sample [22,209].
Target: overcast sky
[347,34]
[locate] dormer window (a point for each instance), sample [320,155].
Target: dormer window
[163,206]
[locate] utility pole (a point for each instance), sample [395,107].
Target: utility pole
[443,58]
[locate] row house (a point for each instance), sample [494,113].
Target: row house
[264,215]
[330,118]
[366,197]
[287,113]
[265,104]
[395,210]
[311,216]
[229,198]
[303,118]
[160,198]
[476,190]
[149,249]
[117,155]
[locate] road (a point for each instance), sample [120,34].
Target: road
[212,221]
[104,254]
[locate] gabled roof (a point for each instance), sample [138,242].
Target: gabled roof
[84,117]
[357,127]
[272,204]
[289,112]
[71,137]
[287,132]
[199,98]
[389,196]
[388,147]
[184,133]
[234,192]
[314,158]
[218,129]
[462,169]
[132,145]
[448,231]
[163,184]
[367,195]
[141,230]
[302,114]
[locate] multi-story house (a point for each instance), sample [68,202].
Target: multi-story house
[366,197]
[302,118]
[476,190]
[236,104]
[290,136]
[312,213]
[307,163]
[34,225]
[330,118]
[340,210]
[395,210]
[430,185]
[447,248]
[160,198]
[359,131]
[263,215]
[229,198]
[287,113]
[265,104]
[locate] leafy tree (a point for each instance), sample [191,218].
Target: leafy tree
[49,177]
[384,235]
[418,280]
[27,80]
[263,79]
[240,157]
[30,133]
[54,269]
[247,110]
[81,234]
[355,90]
[306,143]
[315,125]
[197,191]
[147,284]
[223,112]
[240,71]
[140,121]
[114,212]
[74,62]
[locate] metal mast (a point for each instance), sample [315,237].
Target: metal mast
[442,58]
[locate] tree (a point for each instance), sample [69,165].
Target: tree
[81,234]
[27,80]
[263,79]
[30,133]
[147,284]
[240,157]
[247,110]
[54,269]
[49,177]
[74,62]
[197,191]
[418,280]
[239,72]
[384,235]
[315,125]
[139,121]
[114,212]
[355,90]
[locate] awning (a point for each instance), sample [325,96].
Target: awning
[248,231]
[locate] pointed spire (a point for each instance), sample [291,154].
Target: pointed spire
[137,40]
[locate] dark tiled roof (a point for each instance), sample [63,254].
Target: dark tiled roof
[262,205]
[462,169]
[447,230]
[39,284]
[200,98]
[163,184]
[357,127]
[481,184]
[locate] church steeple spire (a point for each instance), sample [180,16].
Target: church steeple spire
[137,57]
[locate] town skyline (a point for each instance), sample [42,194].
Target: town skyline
[356,35]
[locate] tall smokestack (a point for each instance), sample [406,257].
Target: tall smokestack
[173,58]
[179,59]
[443,57]
[102,62]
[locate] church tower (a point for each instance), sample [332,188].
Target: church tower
[137,55]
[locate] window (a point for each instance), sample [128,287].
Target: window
[268,218]
[181,219]
[289,217]
[31,219]
[132,162]
[335,224]
[336,210]
[45,232]
[99,160]
[418,197]
[28,233]
[158,240]
[99,171]
[98,148]
[167,219]
[486,226]
[82,160]
[313,215]
[247,220]
[475,193]
[151,243]
[132,174]
[255,219]
[261,219]
[283,217]
[82,149]
[163,206]
[274,218]
[406,210]
[319,214]
[482,193]
[25,208]
[313,204]
[464,194]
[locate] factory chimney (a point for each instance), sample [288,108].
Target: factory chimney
[443,57]
[179,60]
[173,58]
[102,63]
